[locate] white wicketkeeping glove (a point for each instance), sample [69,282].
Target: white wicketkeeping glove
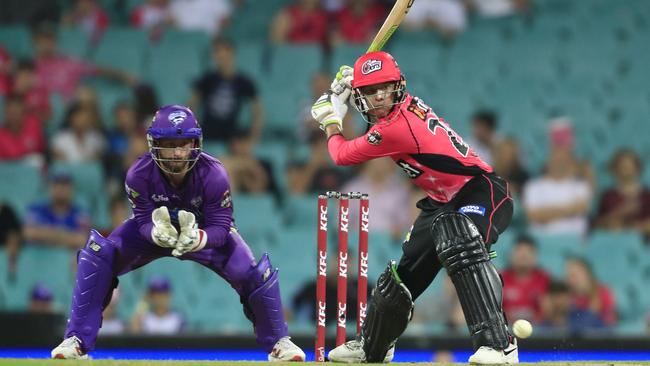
[343,80]
[191,238]
[164,234]
[330,109]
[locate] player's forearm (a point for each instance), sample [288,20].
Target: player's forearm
[339,151]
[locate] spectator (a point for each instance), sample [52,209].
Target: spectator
[524,282]
[209,16]
[80,141]
[498,8]
[87,98]
[248,174]
[21,134]
[153,16]
[221,94]
[61,74]
[111,323]
[388,190]
[40,300]
[626,205]
[89,16]
[35,96]
[358,22]
[315,174]
[59,221]
[448,17]
[558,201]
[303,21]
[119,211]
[507,163]
[153,314]
[562,137]
[10,237]
[484,137]
[587,293]
[5,71]
[442,308]
[559,314]
[146,103]
[126,128]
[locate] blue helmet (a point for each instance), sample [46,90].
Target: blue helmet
[174,122]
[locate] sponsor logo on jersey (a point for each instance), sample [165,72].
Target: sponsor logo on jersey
[418,108]
[226,200]
[374,138]
[196,201]
[177,117]
[409,169]
[131,192]
[159,198]
[473,209]
[370,66]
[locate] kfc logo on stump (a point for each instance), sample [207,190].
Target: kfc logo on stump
[370,66]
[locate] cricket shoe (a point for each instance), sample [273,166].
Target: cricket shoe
[69,349]
[352,352]
[285,350]
[490,356]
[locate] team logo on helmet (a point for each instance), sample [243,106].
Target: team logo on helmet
[370,66]
[177,117]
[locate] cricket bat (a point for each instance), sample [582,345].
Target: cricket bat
[395,17]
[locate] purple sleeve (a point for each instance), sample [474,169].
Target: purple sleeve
[217,209]
[136,192]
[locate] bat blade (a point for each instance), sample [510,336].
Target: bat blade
[393,20]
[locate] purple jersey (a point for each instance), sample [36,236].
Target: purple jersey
[205,193]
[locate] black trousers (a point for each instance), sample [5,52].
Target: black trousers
[485,200]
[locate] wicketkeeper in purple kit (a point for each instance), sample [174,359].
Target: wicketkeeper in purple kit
[182,208]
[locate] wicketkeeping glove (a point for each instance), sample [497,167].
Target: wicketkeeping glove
[191,238]
[164,234]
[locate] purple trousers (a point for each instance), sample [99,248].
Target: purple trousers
[102,260]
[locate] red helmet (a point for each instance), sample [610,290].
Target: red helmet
[375,68]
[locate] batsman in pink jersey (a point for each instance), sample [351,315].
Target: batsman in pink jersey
[181,207]
[467,207]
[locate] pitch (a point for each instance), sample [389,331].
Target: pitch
[41,362]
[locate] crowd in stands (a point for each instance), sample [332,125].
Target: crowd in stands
[563,198]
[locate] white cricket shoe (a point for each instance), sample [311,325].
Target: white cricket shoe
[352,352]
[490,356]
[69,349]
[285,350]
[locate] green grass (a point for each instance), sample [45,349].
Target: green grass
[33,362]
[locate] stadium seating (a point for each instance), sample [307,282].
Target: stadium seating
[24,187]
[583,59]
[16,40]
[90,189]
[122,49]
[257,220]
[73,42]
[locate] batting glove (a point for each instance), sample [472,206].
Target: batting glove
[330,109]
[191,238]
[163,233]
[343,80]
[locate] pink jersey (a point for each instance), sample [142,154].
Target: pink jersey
[433,155]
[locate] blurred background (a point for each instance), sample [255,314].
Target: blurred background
[553,93]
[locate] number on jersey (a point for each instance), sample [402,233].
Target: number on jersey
[456,140]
